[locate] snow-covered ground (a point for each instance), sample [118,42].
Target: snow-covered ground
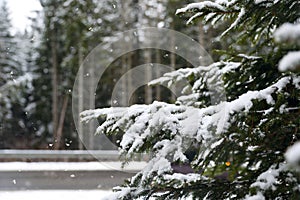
[59,195]
[54,194]
[70,166]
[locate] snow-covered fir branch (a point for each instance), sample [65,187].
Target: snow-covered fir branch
[238,142]
[143,121]
[168,128]
[200,82]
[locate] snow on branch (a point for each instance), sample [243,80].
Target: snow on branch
[270,178]
[290,62]
[169,129]
[148,121]
[292,155]
[289,33]
[267,179]
[170,78]
[212,8]
[221,10]
[257,196]
[248,57]
[236,22]
[206,77]
[174,180]
[201,6]
[267,2]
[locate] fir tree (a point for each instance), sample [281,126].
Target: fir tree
[69,30]
[8,60]
[13,82]
[241,142]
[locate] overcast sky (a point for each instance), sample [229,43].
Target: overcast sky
[20,10]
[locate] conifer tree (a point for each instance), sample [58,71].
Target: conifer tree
[8,61]
[69,30]
[241,142]
[13,81]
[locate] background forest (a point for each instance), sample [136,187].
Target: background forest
[39,66]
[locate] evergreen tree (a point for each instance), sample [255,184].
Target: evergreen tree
[239,143]
[70,29]
[14,83]
[8,61]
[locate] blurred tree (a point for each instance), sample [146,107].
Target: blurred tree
[15,84]
[70,29]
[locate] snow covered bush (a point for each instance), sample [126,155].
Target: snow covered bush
[236,145]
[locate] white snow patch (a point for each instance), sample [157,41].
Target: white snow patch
[288,33]
[291,61]
[70,166]
[54,194]
[258,196]
[292,155]
[266,1]
[259,1]
[159,165]
[200,6]
[249,57]
[268,178]
[185,178]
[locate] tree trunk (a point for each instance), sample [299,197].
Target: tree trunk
[148,90]
[54,87]
[157,88]
[80,97]
[129,76]
[173,62]
[91,142]
[61,123]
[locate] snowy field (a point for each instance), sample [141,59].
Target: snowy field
[70,166]
[54,194]
[60,195]
[67,180]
